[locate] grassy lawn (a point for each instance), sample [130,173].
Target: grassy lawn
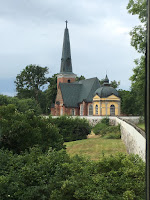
[142,126]
[95,147]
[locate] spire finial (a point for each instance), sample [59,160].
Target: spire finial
[66,23]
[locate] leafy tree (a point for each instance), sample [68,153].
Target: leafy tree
[56,176]
[128,104]
[51,92]
[30,80]
[20,131]
[138,84]
[114,84]
[23,105]
[4,100]
[138,41]
[79,78]
[138,34]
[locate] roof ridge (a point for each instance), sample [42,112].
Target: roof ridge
[91,88]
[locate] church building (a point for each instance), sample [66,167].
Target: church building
[85,97]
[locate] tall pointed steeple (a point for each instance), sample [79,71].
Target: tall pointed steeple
[66,65]
[66,75]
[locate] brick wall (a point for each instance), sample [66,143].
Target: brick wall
[64,80]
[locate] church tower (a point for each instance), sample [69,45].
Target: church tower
[66,75]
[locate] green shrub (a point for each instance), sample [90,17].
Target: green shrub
[20,131]
[99,128]
[72,128]
[23,105]
[55,176]
[105,121]
[108,132]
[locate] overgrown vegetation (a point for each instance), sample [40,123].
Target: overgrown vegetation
[34,164]
[55,176]
[72,128]
[20,131]
[107,131]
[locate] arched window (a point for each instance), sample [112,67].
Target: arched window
[90,109]
[69,81]
[81,109]
[112,110]
[96,109]
[73,112]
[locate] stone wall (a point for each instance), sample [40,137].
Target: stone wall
[132,136]
[135,142]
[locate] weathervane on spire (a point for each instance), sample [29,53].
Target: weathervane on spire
[66,23]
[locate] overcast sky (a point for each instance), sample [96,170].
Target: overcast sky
[31,32]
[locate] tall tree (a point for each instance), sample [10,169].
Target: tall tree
[138,84]
[30,80]
[51,92]
[138,41]
[138,34]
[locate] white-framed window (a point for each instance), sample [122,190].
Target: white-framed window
[90,109]
[73,112]
[112,110]
[96,109]
[81,109]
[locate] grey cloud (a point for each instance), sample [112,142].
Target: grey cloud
[32,33]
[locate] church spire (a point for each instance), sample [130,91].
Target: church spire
[106,81]
[66,65]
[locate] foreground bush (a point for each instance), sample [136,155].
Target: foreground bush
[107,131]
[20,131]
[55,176]
[99,128]
[111,132]
[72,128]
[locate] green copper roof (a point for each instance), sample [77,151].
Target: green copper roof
[66,65]
[75,93]
[88,88]
[106,91]
[70,93]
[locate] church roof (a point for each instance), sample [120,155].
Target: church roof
[66,64]
[77,92]
[88,88]
[70,93]
[106,91]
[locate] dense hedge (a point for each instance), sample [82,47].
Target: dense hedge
[107,131]
[72,128]
[20,131]
[56,176]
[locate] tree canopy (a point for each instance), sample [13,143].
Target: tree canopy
[138,34]
[138,41]
[55,176]
[20,131]
[30,80]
